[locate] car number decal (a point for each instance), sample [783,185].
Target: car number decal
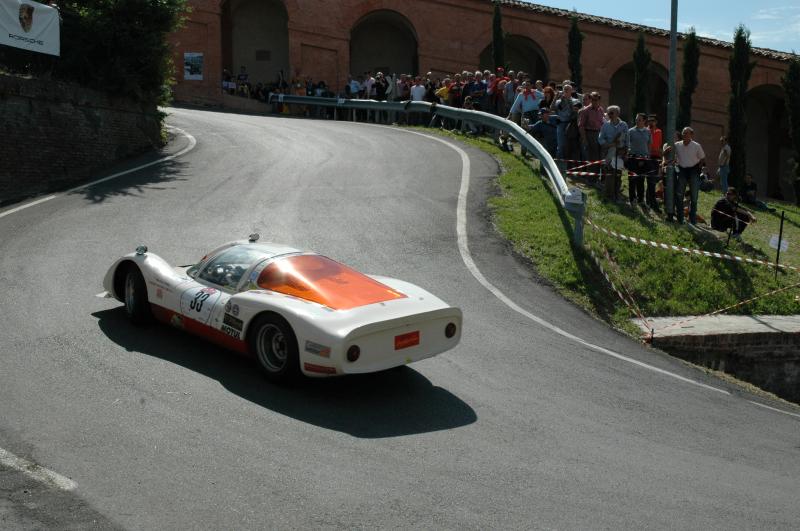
[197,302]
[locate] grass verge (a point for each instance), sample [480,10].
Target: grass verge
[663,283]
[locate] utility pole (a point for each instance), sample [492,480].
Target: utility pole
[669,189]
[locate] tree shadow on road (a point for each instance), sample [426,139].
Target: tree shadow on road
[154,177]
[386,404]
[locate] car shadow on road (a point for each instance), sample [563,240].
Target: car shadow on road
[386,404]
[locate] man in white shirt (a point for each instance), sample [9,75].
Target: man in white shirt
[417,94]
[690,159]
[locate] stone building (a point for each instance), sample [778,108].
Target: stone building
[330,39]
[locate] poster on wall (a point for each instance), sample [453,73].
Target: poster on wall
[30,26]
[192,66]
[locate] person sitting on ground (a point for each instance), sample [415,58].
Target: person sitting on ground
[750,194]
[727,214]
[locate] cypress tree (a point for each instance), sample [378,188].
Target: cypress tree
[574,47]
[691,63]
[641,68]
[740,69]
[498,40]
[791,88]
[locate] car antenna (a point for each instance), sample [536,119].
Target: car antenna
[253,237]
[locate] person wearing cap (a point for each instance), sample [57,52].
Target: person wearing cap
[691,159]
[545,132]
[728,215]
[563,108]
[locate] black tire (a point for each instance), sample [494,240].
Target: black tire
[134,295]
[272,341]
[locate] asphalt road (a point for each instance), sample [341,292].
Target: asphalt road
[517,428]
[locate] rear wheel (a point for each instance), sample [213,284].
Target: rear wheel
[137,305]
[272,341]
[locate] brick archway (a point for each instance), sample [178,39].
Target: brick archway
[384,40]
[255,34]
[621,92]
[768,144]
[521,53]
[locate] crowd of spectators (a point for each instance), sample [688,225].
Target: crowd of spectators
[574,127]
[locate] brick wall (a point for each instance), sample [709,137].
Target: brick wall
[56,135]
[770,361]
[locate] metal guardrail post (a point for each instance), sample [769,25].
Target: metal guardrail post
[575,204]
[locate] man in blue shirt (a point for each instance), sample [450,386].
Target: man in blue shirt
[639,168]
[613,140]
[545,132]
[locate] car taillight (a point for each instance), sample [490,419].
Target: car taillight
[450,330]
[353,353]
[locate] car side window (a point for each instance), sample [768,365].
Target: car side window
[227,268]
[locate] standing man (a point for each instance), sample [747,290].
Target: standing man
[723,162]
[691,159]
[590,120]
[563,108]
[417,92]
[656,141]
[639,166]
[613,139]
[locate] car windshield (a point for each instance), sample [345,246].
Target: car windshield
[228,267]
[322,280]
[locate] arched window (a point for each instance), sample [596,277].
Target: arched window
[521,53]
[768,144]
[255,34]
[622,91]
[383,41]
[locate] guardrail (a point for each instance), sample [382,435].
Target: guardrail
[572,199]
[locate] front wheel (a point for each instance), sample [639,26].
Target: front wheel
[272,341]
[137,306]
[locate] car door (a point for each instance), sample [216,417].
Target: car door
[216,282]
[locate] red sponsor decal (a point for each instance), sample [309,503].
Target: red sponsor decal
[159,293]
[310,367]
[406,340]
[195,327]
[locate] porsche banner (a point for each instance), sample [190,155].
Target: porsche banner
[30,26]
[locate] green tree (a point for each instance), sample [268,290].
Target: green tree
[740,67]
[691,63]
[641,70]
[120,46]
[498,39]
[791,88]
[574,47]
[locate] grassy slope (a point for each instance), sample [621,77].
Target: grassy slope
[663,283]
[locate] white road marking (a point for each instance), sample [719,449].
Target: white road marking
[26,205]
[192,144]
[775,409]
[463,248]
[34,471]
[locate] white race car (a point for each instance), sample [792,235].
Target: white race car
[294,311]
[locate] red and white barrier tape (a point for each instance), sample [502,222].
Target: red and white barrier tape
[687,250]
[618,272]
[583,173]
[630,304]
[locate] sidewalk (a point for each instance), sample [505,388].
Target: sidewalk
[761,349]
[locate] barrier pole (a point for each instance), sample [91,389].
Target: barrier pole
[780,239]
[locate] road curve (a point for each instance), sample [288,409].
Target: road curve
[519,427]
